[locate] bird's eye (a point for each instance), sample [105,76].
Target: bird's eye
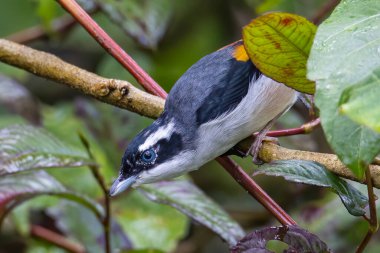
[148,155]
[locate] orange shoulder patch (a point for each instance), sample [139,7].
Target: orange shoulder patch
[240,54]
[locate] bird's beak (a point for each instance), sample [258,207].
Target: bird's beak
[121,185]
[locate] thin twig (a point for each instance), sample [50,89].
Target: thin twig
[31,34]
[373,224]
[56,239]
[304,129]
[107,203]
[326,9]
[112,47]
[255,190]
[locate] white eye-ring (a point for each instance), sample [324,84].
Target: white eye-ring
[148,155]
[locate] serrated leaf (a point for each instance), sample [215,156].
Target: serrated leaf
[148,224]
[313,173]
[146,21]
[360,102]
[190,200]
[80,224]
[344,53]
[298,240]
[24,147]
[279,45]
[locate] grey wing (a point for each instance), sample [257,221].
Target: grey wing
[214,85]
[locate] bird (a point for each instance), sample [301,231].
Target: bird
[220,100]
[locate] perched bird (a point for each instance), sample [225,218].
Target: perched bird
[219,101]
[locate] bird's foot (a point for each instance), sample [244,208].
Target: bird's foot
[255,148]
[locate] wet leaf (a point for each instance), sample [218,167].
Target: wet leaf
[344,53]
[24,147]
[312,173]
[279,45]
[360,102]
[149,225]
[190,200]
[146,21]
[298,240]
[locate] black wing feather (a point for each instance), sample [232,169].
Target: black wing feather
[231,90]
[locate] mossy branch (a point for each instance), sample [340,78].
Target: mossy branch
[122,94]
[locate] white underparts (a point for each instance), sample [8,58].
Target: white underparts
[265,100]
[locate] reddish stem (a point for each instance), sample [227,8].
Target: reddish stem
[56,239]
[152,87]
[255,190]
[304,129]
[326,9]
[112,47]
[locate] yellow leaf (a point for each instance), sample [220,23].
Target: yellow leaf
[279,45]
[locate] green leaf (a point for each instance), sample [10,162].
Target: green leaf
[313,173]
[190,200]
[360,102]
[146,21]
[47,11]
[148,224]
[345,53]
[15,189]
[80,224]
[24,147]
[23,186]
[298,240]
[279,45]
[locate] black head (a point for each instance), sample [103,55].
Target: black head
[154,146]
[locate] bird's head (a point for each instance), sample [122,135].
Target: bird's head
[156,153]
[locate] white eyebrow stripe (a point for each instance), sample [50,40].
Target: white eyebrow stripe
[163,132]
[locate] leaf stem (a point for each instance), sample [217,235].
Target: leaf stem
[56,239]
[304,129]
[326,9]
[106,221]
[31,34]
[373,224]
[112,47]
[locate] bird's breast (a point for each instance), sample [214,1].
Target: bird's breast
[266,99]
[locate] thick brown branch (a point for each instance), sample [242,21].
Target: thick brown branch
[271,152]
[108,90]
[115,92]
